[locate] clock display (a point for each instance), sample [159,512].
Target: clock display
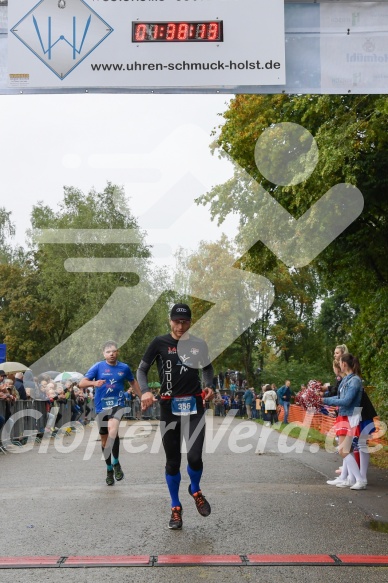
[177,31]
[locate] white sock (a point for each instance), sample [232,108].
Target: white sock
[353,467]
[351,477]
[344,471]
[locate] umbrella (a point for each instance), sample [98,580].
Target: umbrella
[154,385]
[11,367]
[77,376]
[68,376]
[49,373]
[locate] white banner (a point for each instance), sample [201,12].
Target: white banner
[148,43]
[354,47]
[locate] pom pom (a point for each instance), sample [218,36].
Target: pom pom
[310,397]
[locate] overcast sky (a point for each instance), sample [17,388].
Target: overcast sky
[149,144]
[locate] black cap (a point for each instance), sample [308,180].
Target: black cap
[2,373]
[180,312]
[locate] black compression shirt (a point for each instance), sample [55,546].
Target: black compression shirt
[177,375]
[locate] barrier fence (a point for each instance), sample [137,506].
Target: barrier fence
[23,419]
[325,424]
[318,421]
[30,418]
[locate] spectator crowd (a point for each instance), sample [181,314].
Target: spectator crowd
[232,392]
[53,394]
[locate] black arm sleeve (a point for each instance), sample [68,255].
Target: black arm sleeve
[208,375]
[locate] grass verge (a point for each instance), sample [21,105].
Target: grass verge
[378,458]
[378,526]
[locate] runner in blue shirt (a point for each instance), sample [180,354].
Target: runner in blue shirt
[108,377]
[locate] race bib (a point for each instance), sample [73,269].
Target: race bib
[184,405]
[109,402]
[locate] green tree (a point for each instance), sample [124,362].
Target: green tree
[352,136]
[277,371]
[335,321]
[24,318]
[351,133]
[208,269]
[79,298]
[44,301]
[20,309]
[290,326]
[7,232]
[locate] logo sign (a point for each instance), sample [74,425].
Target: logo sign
[163,43]
[61,33]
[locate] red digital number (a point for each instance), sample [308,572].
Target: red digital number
[170,31]
[213,31]
[141,32]
[183,31]
[176,31]
[201,31]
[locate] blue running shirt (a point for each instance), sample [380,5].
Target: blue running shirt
[111,394]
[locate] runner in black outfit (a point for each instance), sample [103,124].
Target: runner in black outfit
[182,413]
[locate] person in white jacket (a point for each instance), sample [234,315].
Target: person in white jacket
[270,404]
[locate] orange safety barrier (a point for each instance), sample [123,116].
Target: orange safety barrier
[324,423]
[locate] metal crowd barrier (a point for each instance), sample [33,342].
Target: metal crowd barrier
[30,418]
[26,419]
[135,412]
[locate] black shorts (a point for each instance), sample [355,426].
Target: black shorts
[104,416]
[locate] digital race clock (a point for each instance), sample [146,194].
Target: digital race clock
[205,31]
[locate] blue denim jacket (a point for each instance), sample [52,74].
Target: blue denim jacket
[349,395]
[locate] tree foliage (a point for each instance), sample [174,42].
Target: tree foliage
[351,132]
[209,270]
[43,303]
